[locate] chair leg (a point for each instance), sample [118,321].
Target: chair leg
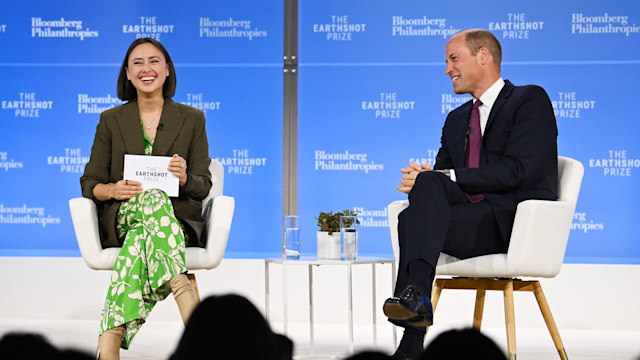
[477,313]
[192,278]
[548,319]
[435,296]
[510,319]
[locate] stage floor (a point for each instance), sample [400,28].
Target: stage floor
[158,339]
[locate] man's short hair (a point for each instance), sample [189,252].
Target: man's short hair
[481,38]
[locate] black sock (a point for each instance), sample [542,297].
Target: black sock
[412,342]
[421,275]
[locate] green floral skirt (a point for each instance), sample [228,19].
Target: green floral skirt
[152,254]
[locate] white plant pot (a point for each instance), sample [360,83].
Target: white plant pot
[328,245]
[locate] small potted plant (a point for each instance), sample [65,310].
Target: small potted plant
[328,236]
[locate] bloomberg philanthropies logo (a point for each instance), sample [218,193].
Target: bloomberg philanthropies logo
[580,223]
[451,102]
[229,28]
[372,218]
[7,164]
[602,24]
[344,161]
[60,28]
[26,215]
[422,26]
[96,104]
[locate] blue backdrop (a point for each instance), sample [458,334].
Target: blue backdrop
[372,97]
[64,58]
[373,92]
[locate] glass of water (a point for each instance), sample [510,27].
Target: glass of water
[349,236]
[291,241]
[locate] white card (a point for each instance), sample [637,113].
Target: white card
[152,172]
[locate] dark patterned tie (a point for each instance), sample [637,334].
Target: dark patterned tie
[474,142]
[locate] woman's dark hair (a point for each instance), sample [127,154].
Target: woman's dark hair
[126,90]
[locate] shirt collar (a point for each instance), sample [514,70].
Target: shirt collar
[489,97]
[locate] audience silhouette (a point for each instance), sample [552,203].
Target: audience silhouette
[25,346]
[466,343]
[230,327]
[369,355]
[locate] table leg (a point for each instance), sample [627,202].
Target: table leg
[373,296]
[350,302]
[266,290]
[311,339]
[284,297]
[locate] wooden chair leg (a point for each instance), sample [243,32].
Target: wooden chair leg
[192,278]
[548,319]
[435,296]
[510,319]
[477,313]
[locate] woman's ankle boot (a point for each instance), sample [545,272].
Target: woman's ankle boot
[185,296]
[109,344]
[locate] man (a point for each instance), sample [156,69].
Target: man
[496,150]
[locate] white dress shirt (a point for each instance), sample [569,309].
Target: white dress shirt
[488,98]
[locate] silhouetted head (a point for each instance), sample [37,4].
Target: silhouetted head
[462,344]
[230,327]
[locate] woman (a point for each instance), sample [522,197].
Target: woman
[151,228]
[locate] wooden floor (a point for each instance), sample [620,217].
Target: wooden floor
[158,339]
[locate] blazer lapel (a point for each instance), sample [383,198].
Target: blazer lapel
[171,121]
[461,135]
[129,123]
[500,101]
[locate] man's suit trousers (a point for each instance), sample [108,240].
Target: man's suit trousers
[440,219]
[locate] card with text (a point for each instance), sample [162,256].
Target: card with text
[152,172]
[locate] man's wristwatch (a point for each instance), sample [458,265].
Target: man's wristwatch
[447,172]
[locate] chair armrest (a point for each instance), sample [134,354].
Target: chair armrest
[84,215]
[218,228]
[393,210]
[217,182]
[539,237]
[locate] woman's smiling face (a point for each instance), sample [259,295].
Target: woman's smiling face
[147,69]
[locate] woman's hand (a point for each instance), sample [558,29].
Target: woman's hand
[122,190]
[178,167]
[125,189]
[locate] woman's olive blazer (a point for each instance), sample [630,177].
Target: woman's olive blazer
[181,131]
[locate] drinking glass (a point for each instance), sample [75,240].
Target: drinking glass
[291,241]
[349,237]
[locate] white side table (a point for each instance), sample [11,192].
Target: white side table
[314,261]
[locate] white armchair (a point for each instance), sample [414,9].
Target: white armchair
[217,210]
[536,249]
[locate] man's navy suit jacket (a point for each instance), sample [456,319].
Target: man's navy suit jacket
[519,156]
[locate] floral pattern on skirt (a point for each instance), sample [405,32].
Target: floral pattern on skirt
[152,254]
